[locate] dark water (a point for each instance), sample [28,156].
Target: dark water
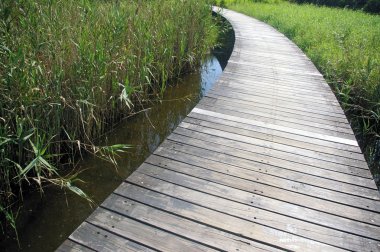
[52,218]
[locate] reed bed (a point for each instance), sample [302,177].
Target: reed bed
[70,70]
[344,45]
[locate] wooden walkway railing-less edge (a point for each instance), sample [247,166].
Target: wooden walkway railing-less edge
[265,162]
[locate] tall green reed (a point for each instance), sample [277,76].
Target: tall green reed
[69,70]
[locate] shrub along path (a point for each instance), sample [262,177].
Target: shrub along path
[254,167]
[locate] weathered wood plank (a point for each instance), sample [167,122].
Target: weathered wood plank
[278,127]
[235,225]
[262,134]
[296,111]
[175,224]
[280,119]
[276,146]
[272,176]
[246,212]
[100,239]
[141,233]
[71,246]
[276,132]
[333,171]
[228,187]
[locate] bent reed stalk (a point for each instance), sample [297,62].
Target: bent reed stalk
[69,70]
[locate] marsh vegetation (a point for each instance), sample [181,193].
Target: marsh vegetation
[70,70]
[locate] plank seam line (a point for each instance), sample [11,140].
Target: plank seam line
[239,217]
[260,162]
[281,128]
[187,218]
[318,148]
[264,91]
[298,102]
[252,64]
[81,244]
[265,196]
[271,149]
[260,101]
[274,157]
[159,228]
[224,213]
[327,155]
[121,235]
[334,129]
[297,81]
[260,104]
[264,173]
[251,85]
[238,167]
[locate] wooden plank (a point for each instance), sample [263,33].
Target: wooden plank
[100,239]
[277,127]
[259,133]
[302,92]
[238,190]
[244,211]
[276,146]
[252,64]
[273,161]
[279,118]
[268,175]
[296,111]
[342,132]
[272,81]
[274,132]
[231,82]
[235,225]
[290,82]
[272,74]
[192,230]
[139,232]
[333,171]
[275,119]
[270,91]
[211,101]
[71,246]
[187,152]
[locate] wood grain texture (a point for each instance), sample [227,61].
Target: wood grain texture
[267,161]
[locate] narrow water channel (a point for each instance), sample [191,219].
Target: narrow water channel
[46,221]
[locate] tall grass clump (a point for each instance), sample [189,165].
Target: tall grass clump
[345,46]
[71,69]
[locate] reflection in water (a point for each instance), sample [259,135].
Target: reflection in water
[51,218]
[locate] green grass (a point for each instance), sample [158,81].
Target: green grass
[69,70]
[345,46]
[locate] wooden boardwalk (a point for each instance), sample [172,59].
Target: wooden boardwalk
[265,162]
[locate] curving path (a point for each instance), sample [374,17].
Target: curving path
[265,162]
